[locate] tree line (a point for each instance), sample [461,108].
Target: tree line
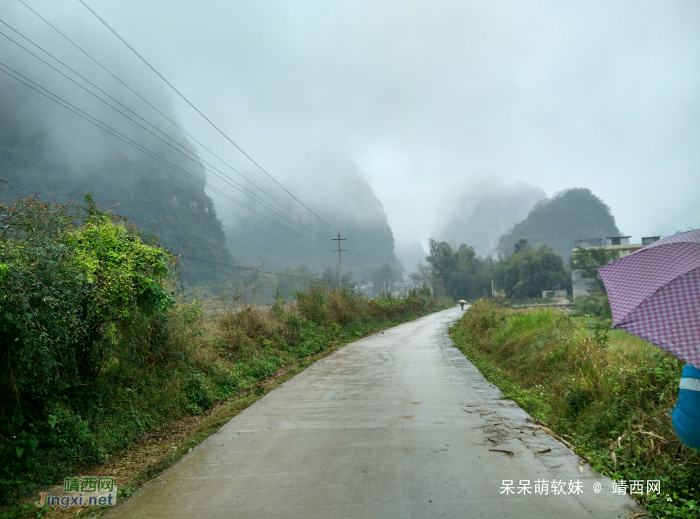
[460,274]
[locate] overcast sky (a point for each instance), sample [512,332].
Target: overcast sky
[432,99]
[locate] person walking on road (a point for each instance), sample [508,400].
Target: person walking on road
[461,303]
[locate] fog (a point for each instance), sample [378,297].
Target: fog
[485,213]
[342,200]
[435,104]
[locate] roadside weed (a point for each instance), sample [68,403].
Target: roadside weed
[595,385]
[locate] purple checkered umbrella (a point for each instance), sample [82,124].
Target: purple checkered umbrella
[655,294]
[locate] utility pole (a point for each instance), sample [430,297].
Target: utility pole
[340,263]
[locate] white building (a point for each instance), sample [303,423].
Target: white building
[584,283]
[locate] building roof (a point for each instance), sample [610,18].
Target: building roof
[626,246]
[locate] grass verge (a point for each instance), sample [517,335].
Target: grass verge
[177,378]
[607,392]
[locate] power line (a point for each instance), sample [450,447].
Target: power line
[139,147]
[92,11]
[127,140]
[115,133]
[75,110]
[166,117]
[200,113]
[256,199]
[248,268]
[357,252]
[133,143]
[354,257]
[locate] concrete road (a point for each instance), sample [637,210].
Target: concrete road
[397,425]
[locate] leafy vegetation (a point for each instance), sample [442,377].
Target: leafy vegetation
[596,305]
[571,215]
[98,349]
[459,274]
[607,390]
[71,278]
[527,272]
[584,263]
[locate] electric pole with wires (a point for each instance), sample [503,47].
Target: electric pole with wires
[340,263]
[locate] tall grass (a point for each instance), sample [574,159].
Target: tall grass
[182,361]
[594,385]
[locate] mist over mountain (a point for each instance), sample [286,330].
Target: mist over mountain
[570,215]
[333,188]
[486,212]
[46,149]
[410,254]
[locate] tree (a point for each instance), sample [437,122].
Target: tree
[71,277]
[458,274]
[423,276]
[330,276]
[291,280]
[527,272]
[386,277]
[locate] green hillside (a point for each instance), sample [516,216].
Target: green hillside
[571,215]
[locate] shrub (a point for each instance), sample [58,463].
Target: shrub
[71,277]
[311,304]
[198,394]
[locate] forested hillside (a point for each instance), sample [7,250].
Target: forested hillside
[48,150]
[571,215]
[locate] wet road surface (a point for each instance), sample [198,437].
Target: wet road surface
[396,425]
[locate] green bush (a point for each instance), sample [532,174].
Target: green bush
[259,369]
[198,394]
[70,277]
[311,304]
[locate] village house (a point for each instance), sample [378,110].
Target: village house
[583,281]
